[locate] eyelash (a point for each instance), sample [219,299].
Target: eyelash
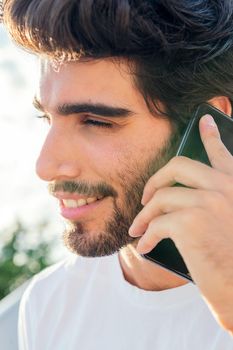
[90,122]
[97,123]
[44,117]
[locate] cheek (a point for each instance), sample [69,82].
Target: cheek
[112,161]
[118,159]
[110,157]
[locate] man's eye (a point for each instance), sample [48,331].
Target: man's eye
[91,122]
[97,123]
[44,117]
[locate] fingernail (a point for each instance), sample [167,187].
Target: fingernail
[135,231]
[209,121]
[144,198]
[131,231]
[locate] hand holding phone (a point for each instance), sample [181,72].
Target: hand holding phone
[165,253]
[197,215]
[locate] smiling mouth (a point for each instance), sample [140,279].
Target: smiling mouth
[72,203]
[75,209]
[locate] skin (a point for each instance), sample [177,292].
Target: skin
[101,154]
[199,220]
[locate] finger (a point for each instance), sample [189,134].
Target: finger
[180,226]
[187,172]
[164,201]
[160,228]
[219,156]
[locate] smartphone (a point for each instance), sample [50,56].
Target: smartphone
[165,253]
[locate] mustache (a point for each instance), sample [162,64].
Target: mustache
[84,188]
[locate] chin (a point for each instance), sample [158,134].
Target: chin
[94,244]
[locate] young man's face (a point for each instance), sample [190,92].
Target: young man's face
[101,168]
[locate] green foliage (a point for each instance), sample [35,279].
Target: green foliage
[23,253]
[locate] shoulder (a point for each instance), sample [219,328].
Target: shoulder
[45,283]
[52,275]
[72,272]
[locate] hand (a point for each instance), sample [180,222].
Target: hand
[199,219]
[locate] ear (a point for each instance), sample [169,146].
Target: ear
[223,103]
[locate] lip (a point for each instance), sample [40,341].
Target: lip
[76,213]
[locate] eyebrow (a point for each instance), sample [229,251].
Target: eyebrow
[99,109]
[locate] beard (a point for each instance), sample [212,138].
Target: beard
[79,240]
[114,236]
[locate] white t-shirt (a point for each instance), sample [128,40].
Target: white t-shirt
[86,304]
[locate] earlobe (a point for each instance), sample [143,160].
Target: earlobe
[223,103]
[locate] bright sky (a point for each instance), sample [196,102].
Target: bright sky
[23,195]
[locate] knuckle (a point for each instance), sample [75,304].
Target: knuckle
[191,215]
[217,201]
[178,161]
[161,192]
[227,185]
[213,199]
[177,165]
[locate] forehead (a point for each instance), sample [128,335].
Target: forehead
[96,80]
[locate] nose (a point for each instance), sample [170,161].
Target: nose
[58,159]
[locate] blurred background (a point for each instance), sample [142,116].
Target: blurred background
[30,225]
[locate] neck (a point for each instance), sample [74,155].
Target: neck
[144,274]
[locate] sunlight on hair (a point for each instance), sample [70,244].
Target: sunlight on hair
[59,58]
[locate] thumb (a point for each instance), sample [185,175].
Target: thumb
[219,156]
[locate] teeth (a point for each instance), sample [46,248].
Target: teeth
[71,203]
[91,200]
[81,202]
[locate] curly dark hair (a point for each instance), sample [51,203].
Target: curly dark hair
[180,51]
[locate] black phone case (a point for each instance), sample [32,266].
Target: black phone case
[165,253]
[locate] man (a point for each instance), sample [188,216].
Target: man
[119,82]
